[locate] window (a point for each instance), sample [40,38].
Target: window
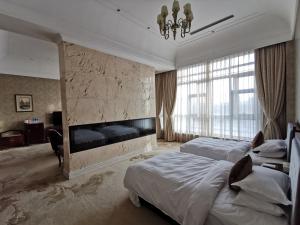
[218,98]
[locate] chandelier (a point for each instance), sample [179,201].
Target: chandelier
[184,24]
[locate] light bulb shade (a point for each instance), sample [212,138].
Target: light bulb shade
[164,11]
[176,6]
[190,17]
[187,9]
[160,22]
[160,19]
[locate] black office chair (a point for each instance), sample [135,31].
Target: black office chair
[56,140]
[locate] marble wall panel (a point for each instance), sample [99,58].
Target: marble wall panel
[84,159]
[102,88]
[111,88]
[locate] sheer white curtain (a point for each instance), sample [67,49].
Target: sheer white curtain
[218,98]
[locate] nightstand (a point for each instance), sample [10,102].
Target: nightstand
[34,133]
[282,167]
[277,164]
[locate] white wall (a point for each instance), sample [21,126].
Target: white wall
[23,55]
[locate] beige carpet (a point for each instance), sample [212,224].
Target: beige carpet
[33,191]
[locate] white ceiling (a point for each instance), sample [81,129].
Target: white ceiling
[97,24]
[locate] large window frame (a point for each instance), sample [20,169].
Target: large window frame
[207,74]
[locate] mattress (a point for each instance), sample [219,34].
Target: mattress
[218,149]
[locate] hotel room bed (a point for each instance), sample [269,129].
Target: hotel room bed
[224,149]
[215,148]
[194,190]
[179,184]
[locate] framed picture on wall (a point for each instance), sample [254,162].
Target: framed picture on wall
[24,103]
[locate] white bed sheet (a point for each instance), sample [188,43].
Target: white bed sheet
[183,186]
[218,149]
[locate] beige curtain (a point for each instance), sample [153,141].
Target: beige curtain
[270,69]
[169,99]
[159,100]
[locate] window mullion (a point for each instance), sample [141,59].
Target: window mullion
[230,101]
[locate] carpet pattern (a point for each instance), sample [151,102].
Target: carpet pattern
[33,191]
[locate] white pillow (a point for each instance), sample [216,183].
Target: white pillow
[246,200]
[275,155]
[238,215]
[274,145]
[266,184]
[282,179]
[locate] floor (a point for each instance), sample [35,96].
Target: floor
[33,191]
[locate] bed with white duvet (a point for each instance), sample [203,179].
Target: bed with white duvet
[181,185]
[193,190]
[234,150]
[215,148]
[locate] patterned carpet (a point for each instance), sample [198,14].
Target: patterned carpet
[33,191]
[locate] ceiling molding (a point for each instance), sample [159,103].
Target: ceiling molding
[136,54]
[295,17]
[131,18]
[221,28]
[19,26]
[97,35]
[119,50]
[237,47]
[147,46]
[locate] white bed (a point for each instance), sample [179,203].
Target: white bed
[218,149]
[190,189]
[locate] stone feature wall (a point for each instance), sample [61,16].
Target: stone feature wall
[45,94]
[98,87]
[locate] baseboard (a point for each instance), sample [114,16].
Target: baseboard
[97,166]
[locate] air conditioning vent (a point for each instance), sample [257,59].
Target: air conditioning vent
[212,24]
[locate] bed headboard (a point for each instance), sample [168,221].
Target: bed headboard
[295,179]
[291,127]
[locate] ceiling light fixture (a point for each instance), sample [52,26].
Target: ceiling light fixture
[184,24]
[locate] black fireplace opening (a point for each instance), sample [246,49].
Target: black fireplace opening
[88,136]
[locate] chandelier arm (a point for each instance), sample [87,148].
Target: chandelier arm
[180,21]
[170,23]
[168,33]
[183,33]
[164,30]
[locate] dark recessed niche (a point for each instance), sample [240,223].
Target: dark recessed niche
[84,137]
